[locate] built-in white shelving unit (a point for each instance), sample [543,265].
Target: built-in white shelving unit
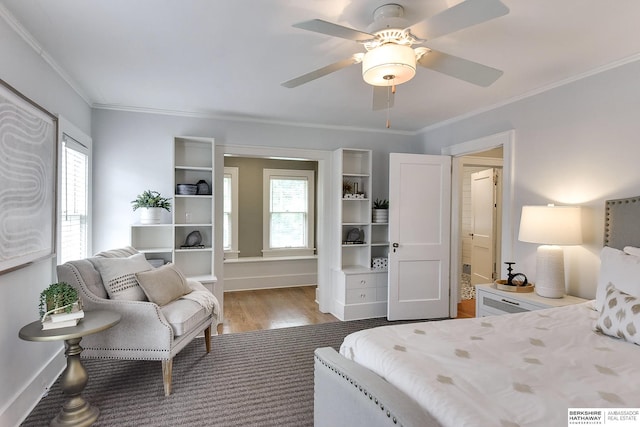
[359,290]
[193,160]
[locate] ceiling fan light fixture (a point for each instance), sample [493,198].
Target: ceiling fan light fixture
[389,64]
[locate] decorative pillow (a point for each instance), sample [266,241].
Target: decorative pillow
[163,284]
[620,316]
[118,276]
[619,268]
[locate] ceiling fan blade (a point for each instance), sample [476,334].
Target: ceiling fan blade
[459,68]
[321,72]
[382,97]
[462,15]
[335,30]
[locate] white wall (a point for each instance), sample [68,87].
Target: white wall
[28,367]
[575,144]
[132,152]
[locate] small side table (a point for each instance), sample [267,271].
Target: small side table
[492,301]
[76,411]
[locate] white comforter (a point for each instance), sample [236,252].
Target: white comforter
[513,370]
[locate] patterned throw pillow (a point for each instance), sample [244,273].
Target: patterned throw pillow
[620,316]
[119,276]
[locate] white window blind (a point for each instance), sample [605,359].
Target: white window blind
[74,200]
[230,212]
[227,226]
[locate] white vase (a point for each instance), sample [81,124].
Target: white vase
[380,215]
[150,215]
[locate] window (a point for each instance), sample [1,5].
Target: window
[74,200]
[288,212]
[230,208]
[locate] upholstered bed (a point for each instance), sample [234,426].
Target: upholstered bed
[525,369]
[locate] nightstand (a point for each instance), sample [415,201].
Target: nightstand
[491,301]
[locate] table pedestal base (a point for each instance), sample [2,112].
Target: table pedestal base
[76,411]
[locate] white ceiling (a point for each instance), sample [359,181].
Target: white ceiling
[228,58]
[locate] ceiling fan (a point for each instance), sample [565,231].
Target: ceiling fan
[390,58]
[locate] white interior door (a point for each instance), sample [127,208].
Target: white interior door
[483,223]
[419,232]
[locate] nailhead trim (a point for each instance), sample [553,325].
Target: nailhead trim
[371,397]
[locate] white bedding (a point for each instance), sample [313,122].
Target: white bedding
[512,370]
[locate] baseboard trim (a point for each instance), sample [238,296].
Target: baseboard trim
[27,399]
[269,282]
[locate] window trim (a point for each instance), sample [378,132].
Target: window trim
[233,252]
[65,127]
[267,174]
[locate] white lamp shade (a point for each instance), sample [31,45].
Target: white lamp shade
[394,61]
[551,225]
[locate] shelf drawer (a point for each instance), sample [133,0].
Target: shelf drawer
[505,305]
[362,295]
[356,281]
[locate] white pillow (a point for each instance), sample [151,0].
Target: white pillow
[620,316]
[621,270]
[119,276]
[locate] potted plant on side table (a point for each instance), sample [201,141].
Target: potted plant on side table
[150,204]
[60,306]
[381,210]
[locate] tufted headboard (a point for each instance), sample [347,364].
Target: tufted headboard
[622,222]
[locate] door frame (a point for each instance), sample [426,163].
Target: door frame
[506,140]
[323,207]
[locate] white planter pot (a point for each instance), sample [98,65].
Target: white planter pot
[380,215]
[150,215]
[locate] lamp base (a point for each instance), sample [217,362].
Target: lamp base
[550,271]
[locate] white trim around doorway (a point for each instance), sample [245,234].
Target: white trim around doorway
[323,222]
[506,140]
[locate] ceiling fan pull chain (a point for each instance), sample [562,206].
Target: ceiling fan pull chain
[389,90]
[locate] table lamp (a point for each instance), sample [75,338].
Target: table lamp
[550,226]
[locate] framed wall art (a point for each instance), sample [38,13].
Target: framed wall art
[28,152]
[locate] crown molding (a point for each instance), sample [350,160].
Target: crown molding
[232,118]
[542,89]
[37,47]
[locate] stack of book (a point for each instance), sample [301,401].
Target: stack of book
[62,320]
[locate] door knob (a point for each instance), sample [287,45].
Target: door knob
[395,246]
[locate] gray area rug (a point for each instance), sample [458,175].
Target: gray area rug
[261,378]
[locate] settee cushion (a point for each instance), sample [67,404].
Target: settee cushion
[163,284]
[183,315]
[118,276]
[91,277]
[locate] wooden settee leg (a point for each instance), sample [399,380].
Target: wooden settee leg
[207,338]
[167,367]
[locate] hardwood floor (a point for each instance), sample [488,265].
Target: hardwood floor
[271,309]
[466,309]
[284,307]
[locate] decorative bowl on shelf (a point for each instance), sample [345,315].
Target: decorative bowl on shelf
[186,189]
[517,286]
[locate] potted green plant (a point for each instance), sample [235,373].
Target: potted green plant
[381,210]
[57,298]
[150,204]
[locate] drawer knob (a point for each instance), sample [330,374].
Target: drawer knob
[510,302]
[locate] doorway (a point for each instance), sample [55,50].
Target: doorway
[481,223]
[323,209]
[504,141]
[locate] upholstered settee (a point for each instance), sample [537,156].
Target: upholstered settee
[147,330]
